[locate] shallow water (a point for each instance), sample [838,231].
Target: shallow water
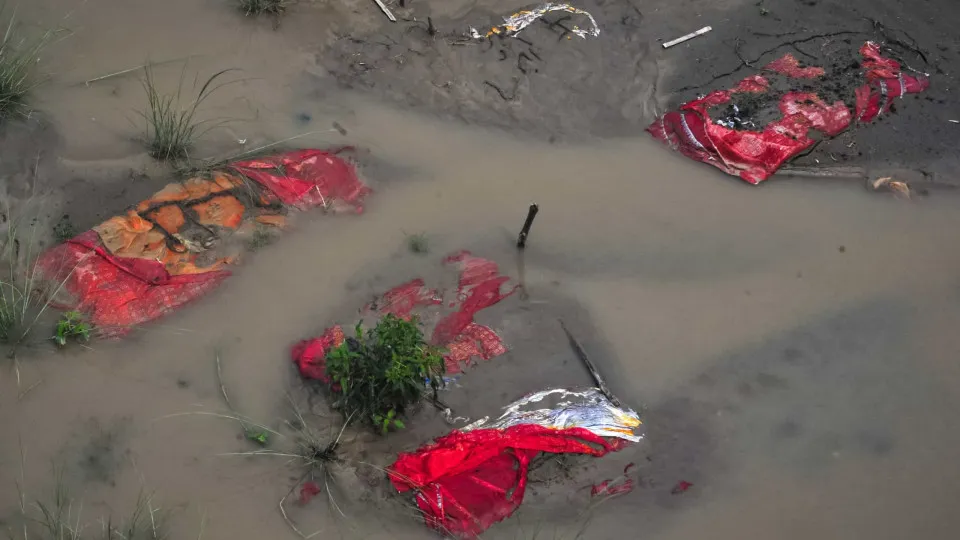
[793,343]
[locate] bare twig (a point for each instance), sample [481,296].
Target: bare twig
[590,365]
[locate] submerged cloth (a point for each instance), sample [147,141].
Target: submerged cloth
[138,266]
[480,286]
[472,478]
[754,155]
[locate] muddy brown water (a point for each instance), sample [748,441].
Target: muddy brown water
[793,346]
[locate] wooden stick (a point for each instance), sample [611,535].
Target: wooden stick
[531,213]
[823,172]
[386,11]
[141,66]
[577,348]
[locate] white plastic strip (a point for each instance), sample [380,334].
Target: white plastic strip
[687,37]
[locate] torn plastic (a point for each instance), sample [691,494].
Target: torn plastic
[616,486]
[472,478]
[167,250]
[739,147]
[515,23]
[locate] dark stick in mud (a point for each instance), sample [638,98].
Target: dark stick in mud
[577,348]
[531,213]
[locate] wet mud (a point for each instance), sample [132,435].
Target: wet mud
[790,348]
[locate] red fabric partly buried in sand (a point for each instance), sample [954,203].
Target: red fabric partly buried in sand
[467,481]
[136,267]
[480,286]
[755,155]
[307,178]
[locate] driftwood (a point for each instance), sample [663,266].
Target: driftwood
[824,172]
[601,384]
[531,213]
[386,11]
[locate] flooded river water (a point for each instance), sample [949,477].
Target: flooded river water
[794,345]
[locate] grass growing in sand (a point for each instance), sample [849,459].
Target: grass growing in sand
[24,295]
[309,451]
[172,124]
[61,517]
[18,56]
[417,243]
[262,7]
[260,238]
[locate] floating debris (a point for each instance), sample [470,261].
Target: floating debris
[513,24]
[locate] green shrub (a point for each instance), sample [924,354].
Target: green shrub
[71,326]
[376,376]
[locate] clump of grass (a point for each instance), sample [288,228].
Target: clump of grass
[71,327]
[64,229]
[380,374]
[263,7]
[172,125]
[24,294]
[260,238]
[251,432]
[417,243]
[314,454]
[18,56]
[61,518]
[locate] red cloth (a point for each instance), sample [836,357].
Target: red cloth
[755,155]
[306,178]
[885,82]
[310,355]
[480,286]
[117,293]
[114,293]
[403,299]
[467,481]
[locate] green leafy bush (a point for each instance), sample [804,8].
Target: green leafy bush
[71,326]
[376,376]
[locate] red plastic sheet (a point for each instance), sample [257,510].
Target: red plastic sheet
[480,286]
[467,481]
[119,292]
[307,178]
[755,155]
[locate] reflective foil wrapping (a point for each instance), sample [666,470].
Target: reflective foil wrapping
[513,24]
[588,409]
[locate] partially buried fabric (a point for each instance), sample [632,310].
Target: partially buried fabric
[141,265]
[480,286]
[472,478]
[754,155]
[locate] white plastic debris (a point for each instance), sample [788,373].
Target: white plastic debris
[513,24]
[687,37]
[588,409]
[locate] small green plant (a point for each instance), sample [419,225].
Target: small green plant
[71,326]
[379,374]
[417,243]
[18,56]
[263,7]
[251,432]
[64,229]
[25,294]
[172,127]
